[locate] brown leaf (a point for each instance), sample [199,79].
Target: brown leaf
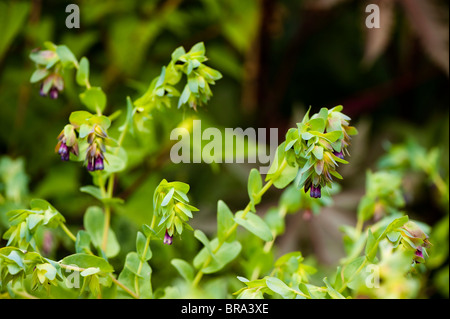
[430,22]
[377,39]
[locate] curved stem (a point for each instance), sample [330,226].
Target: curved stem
[68,232]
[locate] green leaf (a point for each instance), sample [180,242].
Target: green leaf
[38,75]
[90,271]
[318,152]
[371,246]
[331,291]
[226,253]
[204,240]
[349,272]
[317,124]
[254,186]
[274,221]
[184,268]
[114,163]
[66,56]
[78,118]
[225,221]
[254,224]
[198,49]
[83,242]
[94,98]
[92,190]
[335,174]
[178,53]
[94,220]
[396,223]
[87,261]
[82,76]
[129,276]
[168,197]
[184,96]
[149,231]
[281,178]
[333,136]
[278,286]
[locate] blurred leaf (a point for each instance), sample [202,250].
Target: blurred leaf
[185,269]
[82,75]
[278,286]
[94,98]
[12,18]
[225,221]
[94,220]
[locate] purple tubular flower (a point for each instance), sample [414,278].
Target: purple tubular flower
[167,239]
[64,152]
[53,93]
[339,154]
[315,192]
[98,165]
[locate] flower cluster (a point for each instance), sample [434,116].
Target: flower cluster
[170,204]
[318,144]
[414,238]
[67,143]
[48,71]
[95,152]
[87,134]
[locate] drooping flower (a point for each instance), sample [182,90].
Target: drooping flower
[414,238]
[67,143]
[167,238]
[339,154]
[315,191]
[48,72]
[95,158]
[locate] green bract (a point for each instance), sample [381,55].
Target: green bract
[170,204]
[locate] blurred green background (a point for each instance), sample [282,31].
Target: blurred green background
[278,57]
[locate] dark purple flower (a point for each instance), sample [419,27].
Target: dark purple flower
[90,166]
[94,156]
[315,191]
[98,165]
[64,152]
[51,86]
[53,93]
[167,239]
[339,154]
[67,144]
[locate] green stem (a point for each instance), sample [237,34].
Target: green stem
[141,262]
[125,288]
[68,232]
[230,231]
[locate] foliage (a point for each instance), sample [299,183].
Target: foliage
[152,241]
